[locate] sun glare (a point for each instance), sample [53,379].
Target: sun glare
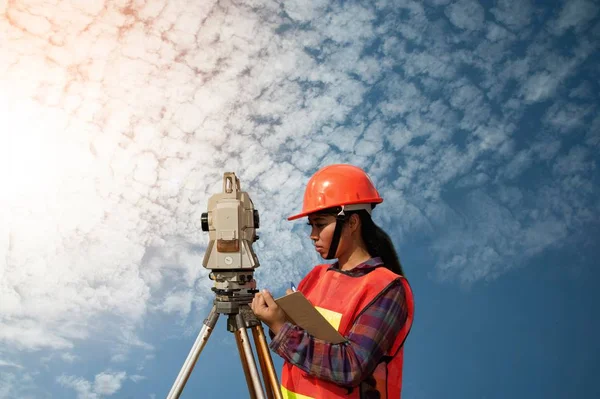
[31,157]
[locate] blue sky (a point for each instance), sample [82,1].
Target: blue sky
[479,122]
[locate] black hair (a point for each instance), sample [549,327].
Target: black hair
[378,242]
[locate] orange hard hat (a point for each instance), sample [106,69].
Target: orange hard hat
[337,185]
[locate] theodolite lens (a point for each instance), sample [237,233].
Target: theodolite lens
[204,219]
[256,219]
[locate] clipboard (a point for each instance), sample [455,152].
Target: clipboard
[301,312]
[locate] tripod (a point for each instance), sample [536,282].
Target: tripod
[240,317]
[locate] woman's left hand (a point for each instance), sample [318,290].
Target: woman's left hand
[267,310]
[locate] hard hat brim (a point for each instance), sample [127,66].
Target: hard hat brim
[309,211]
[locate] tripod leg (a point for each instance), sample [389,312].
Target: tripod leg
[266,363]
[244,361]
[247,358]
[200,343]
[263,365]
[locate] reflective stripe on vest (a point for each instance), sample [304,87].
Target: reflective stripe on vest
[291,395]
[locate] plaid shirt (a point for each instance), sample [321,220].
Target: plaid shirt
[371,336]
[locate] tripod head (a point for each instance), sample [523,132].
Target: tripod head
[231,222]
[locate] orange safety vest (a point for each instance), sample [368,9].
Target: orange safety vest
[341,298]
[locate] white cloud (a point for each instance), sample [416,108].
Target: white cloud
[510,196]
[438,2]
[574,162]
[18,383]
[137,378]
[347,25]
[473,180]
[575,14]
[553,68]
[497,33]
[126,341]
[492,137]
[29,334]
[6,384]
[108,383]
[305,11]
[518,164]
[566,117]
[80,385]
[119,357]
[9,385]
[178,301]
[495,239]
[593,135]
[547,149]
[69,357]
[466,14]
[4,363]
[583,91]
[105,384]
[540,86]
[514,14]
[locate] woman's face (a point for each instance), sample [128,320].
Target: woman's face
[321,233]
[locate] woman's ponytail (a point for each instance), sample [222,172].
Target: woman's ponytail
[379,243]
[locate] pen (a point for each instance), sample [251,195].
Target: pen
[292,286]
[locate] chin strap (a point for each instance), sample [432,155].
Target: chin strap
[337,233]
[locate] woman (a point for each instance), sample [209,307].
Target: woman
[364,295]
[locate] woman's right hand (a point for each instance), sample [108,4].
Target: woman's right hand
[266,310]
